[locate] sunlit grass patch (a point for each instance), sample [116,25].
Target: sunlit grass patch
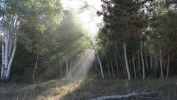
[88,89]
[57,93]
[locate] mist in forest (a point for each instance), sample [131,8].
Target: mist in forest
[88,49]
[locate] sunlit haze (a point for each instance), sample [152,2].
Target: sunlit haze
[85,11]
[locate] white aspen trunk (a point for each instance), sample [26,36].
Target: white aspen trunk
[96,65]
[133,60]
[139,64]
[6,53]
[3,59]
[9,42]
[12,57]
[35,67]
[112,69]
[168,65]
[142,60]
[101,67]
[161,64]
[126,61]
[98,58]
[10,48]
[117,66]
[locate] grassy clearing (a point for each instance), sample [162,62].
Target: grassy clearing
[87,89]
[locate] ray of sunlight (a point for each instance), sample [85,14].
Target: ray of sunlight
[80,67]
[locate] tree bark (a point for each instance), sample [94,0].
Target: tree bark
[142,60]
[6,53]
[3,59]
[133,61]
[35,67]
[139,65]
[101,67]
[98,58]
[126,61]
[9,42]
[12,56]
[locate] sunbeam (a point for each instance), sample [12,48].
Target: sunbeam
[80,67]
[85,12]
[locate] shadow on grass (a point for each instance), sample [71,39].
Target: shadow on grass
[88,89]
[159,89]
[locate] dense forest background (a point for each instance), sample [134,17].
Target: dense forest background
[137,39]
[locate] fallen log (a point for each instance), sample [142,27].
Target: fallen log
[117,96]
[127,96]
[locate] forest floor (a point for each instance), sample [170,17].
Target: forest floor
[91,88]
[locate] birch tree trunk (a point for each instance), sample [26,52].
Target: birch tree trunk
[126,61]
[35,67]
[98,58]
[142,60]
[9,44]
[12,57]
[3,58]
[101,67]
[8,53]
[139,65]
[133,61]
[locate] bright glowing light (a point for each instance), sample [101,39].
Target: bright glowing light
[85,12]
[87,17]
